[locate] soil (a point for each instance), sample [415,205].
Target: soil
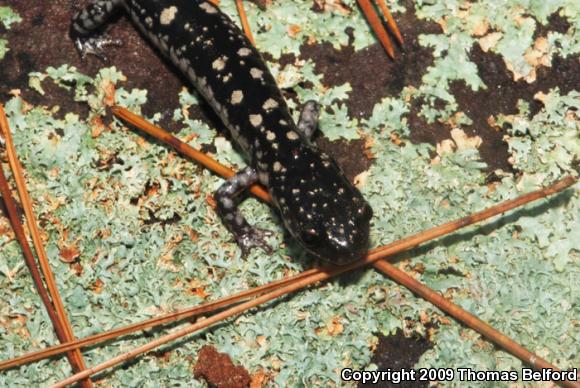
[370,72]
[389,356]
[219,370]
[502,96]
[42,40]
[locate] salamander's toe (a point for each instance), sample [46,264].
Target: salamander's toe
[95,46]
[255,238]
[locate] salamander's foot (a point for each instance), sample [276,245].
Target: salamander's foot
[246,236]
[254,238]
[95,45]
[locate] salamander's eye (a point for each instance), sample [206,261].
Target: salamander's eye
[310,236]
[365,212]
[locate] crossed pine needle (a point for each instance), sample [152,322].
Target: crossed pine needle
[246,300]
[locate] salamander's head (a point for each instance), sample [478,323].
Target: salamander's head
[322,209]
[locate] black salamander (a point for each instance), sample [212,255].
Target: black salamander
[317,203]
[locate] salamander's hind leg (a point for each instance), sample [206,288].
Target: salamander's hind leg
[86,23]
[308,121]
[246,236]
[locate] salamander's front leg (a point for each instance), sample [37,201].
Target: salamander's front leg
[308,121]
[87,22]
[246,236]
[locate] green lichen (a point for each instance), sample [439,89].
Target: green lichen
[3,48]
[7,18]
[288,25]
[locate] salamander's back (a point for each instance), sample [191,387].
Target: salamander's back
[219,61]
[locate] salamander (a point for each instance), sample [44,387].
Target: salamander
[317,203]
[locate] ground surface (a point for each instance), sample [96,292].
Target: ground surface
[464,117]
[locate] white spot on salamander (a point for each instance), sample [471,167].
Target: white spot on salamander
[256,120]
[277,166]
[256,73]
[270,104]
[237,97]
[220,63]
[270,135]
[207,7]
[264,178]
[228,203]
[149,21]
[292,135]
[167,15]
[239,220]
[244,52]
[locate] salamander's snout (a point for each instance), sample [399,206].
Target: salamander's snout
[343,237]
[350,243]
[322,209]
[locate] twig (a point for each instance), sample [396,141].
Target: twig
[244,20]
[153,322]
[390,21]
[66,333]
[469,320]
[184,148]
[377,26]
[28,255]
[373,256]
